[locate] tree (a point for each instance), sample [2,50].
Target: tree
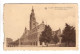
[56,39]
[46,34]
[69,34]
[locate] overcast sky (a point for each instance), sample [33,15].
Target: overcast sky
[17,16]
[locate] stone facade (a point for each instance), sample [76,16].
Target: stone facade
[31,37]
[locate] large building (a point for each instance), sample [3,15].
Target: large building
[31,37]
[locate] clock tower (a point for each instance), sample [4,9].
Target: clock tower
[32,19]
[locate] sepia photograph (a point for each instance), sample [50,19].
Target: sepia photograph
[40,26]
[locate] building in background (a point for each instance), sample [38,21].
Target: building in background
[8,42]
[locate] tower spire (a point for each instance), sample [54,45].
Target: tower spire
[32,19]
[32,9]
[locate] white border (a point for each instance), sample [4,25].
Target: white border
[34,52]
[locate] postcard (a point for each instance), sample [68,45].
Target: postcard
[40,26]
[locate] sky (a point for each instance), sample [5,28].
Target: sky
[17,17]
